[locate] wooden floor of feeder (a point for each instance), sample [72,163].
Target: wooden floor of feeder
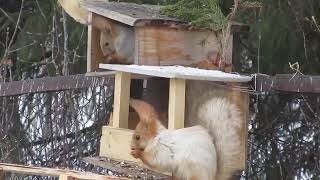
[62,174]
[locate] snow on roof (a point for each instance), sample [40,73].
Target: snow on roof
[178,72]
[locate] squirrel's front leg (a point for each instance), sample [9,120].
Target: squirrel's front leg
[145,157]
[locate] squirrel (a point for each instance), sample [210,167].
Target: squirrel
[203,152]
[116,40]
[189,152]
[72,7]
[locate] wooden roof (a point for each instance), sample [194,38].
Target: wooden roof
[178,72]
[130,13]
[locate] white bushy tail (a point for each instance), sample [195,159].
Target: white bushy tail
[223,120]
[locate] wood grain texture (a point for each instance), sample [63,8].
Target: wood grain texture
[287,83]
[241,99]
[47,84]
[124,168]
[121,100]
[115,143]
[130,13]
[67,177]
[2,174]
[176,112]
[39,171]
[197,92]
[94,53]
[170,46]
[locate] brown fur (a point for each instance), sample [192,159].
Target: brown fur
[147,127]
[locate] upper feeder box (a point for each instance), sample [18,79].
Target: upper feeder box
[127,33]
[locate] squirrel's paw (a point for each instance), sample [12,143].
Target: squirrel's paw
[136,153]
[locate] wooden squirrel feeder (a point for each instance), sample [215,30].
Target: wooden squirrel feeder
[139,34]
[156,41]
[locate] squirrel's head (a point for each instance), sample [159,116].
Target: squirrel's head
[147,128]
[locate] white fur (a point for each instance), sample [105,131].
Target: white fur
[223,121]
[188,152]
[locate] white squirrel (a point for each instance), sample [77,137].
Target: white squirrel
[205,152]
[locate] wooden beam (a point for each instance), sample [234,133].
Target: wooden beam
[115,143]
[130,14]
[94,53]
[113,73]
[39,171]
[59,83]
[177,97]
[66,177]
[287,83]
[121,100]
[2,174]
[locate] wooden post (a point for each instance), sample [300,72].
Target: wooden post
[121,100]
[94,53]
[1,174]
[66,177]
[176,103]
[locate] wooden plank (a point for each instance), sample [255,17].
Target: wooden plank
[287,83]
[297,83]
[241,99]
[176,103]
[169,46]
[47,84]
[2,174]
[66,177]
[39,171]
[198,92]
[121,100]
[178,72]
[94,53]
[115,143]
[129,13]
[113,74]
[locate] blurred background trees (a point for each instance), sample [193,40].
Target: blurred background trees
[284,128]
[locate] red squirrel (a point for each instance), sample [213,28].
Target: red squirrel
[116,39]
[203,152]
[188,153]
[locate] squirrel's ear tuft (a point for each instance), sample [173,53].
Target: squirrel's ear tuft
[145,111]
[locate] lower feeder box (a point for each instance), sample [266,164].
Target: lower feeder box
[176,92]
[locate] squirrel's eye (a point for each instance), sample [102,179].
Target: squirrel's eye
[137,137]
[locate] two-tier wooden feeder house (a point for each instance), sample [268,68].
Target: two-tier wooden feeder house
[157,41]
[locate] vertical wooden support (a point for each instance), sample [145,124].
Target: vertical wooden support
[121,100]
[66,177]
[1,174]
[94,53]
[241,99]
[176,103]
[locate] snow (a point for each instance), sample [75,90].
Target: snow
[178,72]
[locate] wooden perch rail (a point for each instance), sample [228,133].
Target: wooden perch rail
[61,173]
[287,83]
[51,84]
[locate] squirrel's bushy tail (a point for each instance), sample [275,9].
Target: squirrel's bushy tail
[223,120]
